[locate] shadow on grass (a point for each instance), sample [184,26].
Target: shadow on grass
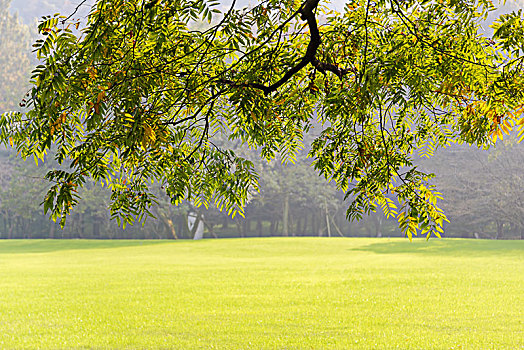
[46,246]
[455,247]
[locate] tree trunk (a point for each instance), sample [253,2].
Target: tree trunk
[81,225]
[52,230]
[168,223]
[285,216]
[272,227]
[307,221]
[11,227]
[195,232]
[500,230]
[210,228]
[327,218]
[378,226]
[245,227]
[225,223]
[248,225]
[239,227]
[514,229]
[171,228]
[181,222]
[299,223]
[96,227]
[259,227]
[314,228]
[5,224]
[23,225]
[336,227]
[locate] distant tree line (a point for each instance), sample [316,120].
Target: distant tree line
[484,194]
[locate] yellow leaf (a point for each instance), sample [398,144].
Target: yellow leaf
[493,135]
[150,135]
[100,96]
[521,135]
[499,134]
[519,110]
[92,72]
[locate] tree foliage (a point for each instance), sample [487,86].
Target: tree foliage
[140,93]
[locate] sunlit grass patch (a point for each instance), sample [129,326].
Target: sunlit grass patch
[293,293]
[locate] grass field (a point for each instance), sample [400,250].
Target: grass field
[304,293]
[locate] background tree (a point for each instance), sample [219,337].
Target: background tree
[31,10]
[15,60]
[483,190]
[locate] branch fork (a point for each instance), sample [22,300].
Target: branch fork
[307,13]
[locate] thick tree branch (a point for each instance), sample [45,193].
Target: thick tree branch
[307,13]
[323,67]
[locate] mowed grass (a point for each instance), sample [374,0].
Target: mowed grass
[281,293]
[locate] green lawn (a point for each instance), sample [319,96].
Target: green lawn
[303,293]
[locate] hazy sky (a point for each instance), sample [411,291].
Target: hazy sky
[46,7]
[27,9]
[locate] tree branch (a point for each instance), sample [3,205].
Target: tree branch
[74,12]
[307,14]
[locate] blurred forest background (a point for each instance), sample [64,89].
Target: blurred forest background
[483,190]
